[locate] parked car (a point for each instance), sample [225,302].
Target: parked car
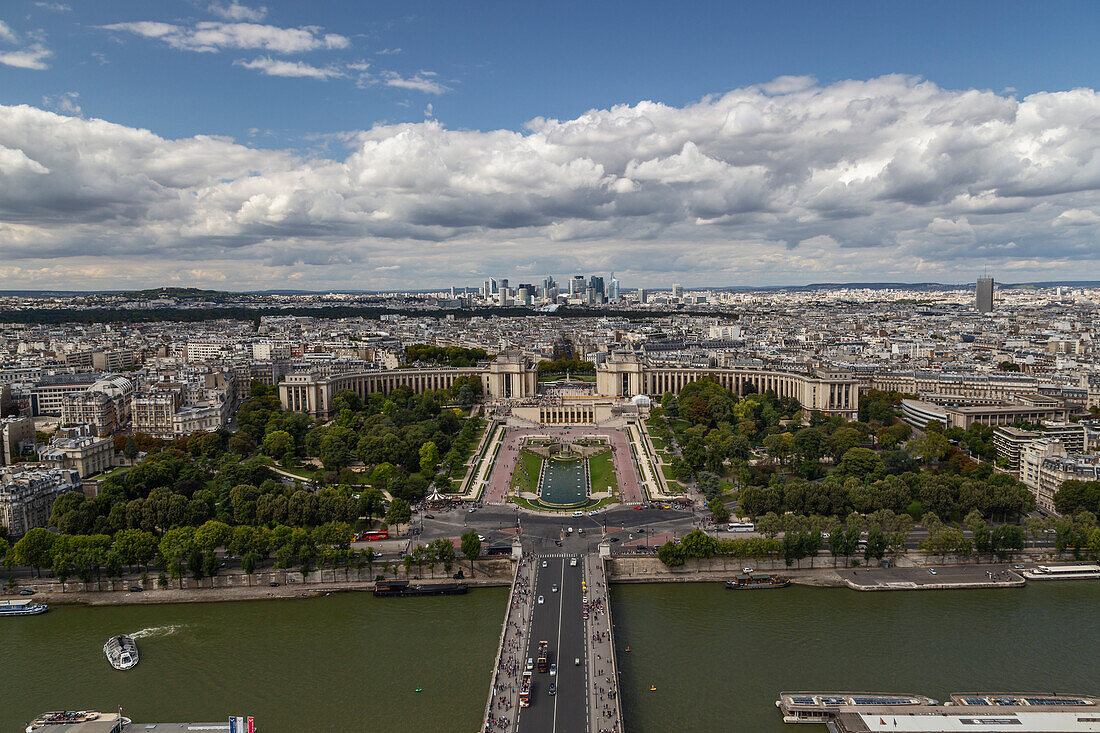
[273,584]
[429,516]
[932,571]
[482,538]
[557,543]
[26,592]
[578,514]
[136,589]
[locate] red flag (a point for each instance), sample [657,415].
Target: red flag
[251,724]
[880,722]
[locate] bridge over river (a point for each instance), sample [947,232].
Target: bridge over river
[571,630]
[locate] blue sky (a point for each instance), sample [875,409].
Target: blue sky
[308,82]
[507,62]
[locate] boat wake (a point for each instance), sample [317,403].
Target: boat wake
[156,631]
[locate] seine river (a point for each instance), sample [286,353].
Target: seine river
[717,657]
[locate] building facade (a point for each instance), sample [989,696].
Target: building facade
[27,494]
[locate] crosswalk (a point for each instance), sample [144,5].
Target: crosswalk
[559,554]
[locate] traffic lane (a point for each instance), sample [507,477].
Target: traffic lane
[544,627]
[572,679]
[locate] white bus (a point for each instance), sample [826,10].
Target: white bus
[742,527]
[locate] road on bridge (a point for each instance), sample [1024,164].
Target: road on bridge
[559,622]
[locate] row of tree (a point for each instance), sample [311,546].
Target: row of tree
[194,550]
[842,492]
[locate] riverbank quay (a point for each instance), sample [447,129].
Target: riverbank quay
[944,577]
[641,569]
[232,587]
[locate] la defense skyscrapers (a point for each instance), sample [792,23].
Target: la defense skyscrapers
[983,299]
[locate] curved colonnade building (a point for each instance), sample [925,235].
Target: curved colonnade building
[512,376]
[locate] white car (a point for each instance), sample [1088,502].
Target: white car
[746,571]
[541,600]
[544,563]
[578,514]
[554,588]
[482,538]
[553,669]
[572,562]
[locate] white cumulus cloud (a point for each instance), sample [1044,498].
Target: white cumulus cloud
[890,178]
[280,67]
[212,36]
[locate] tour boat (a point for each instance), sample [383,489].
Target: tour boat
[22,608]
[748,582]
[121,651]
[70,718]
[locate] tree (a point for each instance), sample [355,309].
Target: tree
[131,449]
[876,544]
[862,463]
[811,444]
[278,444]
[1008,539]
[718,510]
[842,440]
[248,565]
[175,548]
[931,447]
[211,535]
[471,548]
[670,554]
[429,458]
[34,549]
[399,512]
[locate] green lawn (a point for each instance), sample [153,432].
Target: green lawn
[659,443]
[561,377]
[602,471]
[668,472]
[526,476]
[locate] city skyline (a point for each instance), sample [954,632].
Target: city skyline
[249,147]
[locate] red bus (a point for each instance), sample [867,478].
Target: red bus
[378,534]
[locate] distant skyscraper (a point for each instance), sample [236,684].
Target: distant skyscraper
[643,296]
[984,296]
[613,289]
[504,283]
[576,286]
[596,283]
[677,291]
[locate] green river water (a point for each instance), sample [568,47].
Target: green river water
[349,662]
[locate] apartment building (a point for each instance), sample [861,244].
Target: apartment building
[1010,442]
[1046,463]
[27,494]
[16,434]
[79,449]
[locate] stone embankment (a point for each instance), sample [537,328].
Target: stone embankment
[239,587]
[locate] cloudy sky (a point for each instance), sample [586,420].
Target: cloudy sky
[419,144]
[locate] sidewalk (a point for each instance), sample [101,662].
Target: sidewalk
[603,676]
